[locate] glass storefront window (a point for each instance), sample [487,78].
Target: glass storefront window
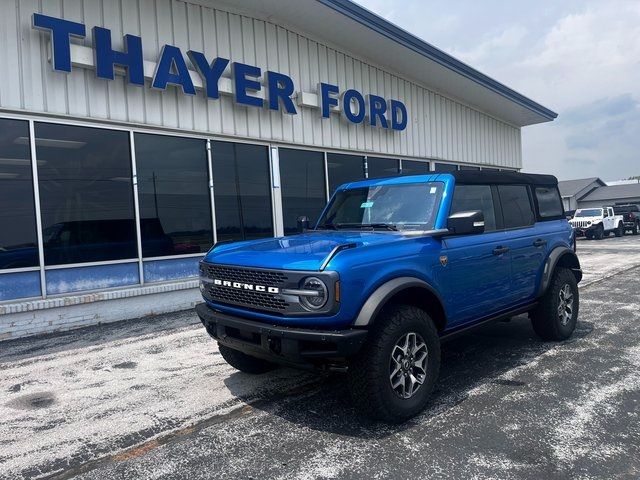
[173,193]
[382,167]
[86,194]
[344,168]
[445,167]
[18,237]
[302,182]
[242,191]
[414,167]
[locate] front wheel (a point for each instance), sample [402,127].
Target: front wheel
[392,377]
[243,362]
[556,316]
[620,230]
[634,230]
[599,233]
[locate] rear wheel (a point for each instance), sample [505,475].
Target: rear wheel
[245,363]
[556,316]
[620,230]
[393,376]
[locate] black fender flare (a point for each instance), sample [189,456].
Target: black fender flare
[552,262]
[384,292]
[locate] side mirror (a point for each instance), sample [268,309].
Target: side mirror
[303,223]
[466,223]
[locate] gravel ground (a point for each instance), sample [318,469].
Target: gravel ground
[152,398]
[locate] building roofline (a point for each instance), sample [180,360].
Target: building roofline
[393,32]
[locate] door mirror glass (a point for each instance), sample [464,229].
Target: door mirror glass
[466,223]
[303,223]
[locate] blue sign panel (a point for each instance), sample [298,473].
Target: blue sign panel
[247,80]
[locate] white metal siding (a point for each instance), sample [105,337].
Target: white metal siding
[438,127]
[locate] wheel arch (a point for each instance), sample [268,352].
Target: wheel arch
[408,291]
[559,257]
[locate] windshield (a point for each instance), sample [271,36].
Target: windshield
[411,206]
[589,212]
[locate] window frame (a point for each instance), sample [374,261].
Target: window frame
[138,195]
[531,204]
[538,215]
[495,199]
[132,194]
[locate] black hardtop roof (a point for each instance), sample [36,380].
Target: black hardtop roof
[493,177]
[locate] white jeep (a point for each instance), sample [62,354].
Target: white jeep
[597,222]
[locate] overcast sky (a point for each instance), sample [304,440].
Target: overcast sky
[579,58]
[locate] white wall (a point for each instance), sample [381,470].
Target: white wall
[438,127]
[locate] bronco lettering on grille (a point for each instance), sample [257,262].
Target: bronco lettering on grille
[245,286]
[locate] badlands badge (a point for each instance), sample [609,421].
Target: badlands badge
[444,260]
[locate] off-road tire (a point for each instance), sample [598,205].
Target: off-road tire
[634,230]
[620,230]
[545,318]
[369,372]
[589,235]
[245,363]
[599,233]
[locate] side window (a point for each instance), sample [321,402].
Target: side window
[516,206]
[605,212]
[549,202]
[475,197]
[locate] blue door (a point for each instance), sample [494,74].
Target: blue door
[478,276]
[526,245]
[478,267]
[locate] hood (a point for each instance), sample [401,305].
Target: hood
[306,251]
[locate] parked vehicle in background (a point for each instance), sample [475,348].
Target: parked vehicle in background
[630,215]
[597,223]
[569,214]
[393,267]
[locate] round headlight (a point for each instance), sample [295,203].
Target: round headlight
[318,299]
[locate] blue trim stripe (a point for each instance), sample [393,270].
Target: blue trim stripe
[404,38]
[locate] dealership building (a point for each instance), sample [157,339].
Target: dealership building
[136,134]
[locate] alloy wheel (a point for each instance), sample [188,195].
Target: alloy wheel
[408,365]
[565,304]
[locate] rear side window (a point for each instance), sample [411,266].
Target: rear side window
[475,197]
[549,202]
[517,210]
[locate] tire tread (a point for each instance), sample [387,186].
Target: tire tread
[543,318]
[371,364]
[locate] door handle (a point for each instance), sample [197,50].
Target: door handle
[539,243]
[500,250]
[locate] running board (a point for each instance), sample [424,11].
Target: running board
[466,328]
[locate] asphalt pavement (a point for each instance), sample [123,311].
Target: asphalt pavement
[152,398]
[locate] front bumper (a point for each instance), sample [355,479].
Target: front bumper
[582,231]
[286,345]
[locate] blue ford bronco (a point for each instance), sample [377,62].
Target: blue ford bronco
[392,268]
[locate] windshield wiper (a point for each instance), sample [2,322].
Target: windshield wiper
[373,226]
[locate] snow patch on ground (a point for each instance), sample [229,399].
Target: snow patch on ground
[596,403]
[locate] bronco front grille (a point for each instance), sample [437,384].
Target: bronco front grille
[234,274]
[244,297]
